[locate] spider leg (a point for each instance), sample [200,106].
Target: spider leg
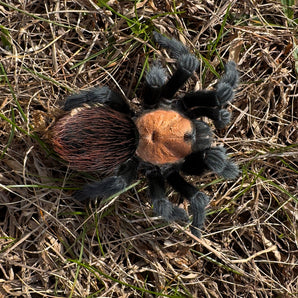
[155,80]
[161,205]
[223,93]
[97,95]
[214,159]
[221,117]
[210,102]
[110,185]
[186,64]
[198,200]
[203,136]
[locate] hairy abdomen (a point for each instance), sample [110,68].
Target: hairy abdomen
[95,138]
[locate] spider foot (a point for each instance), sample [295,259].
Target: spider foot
[168,211]
[230,171]
[156,76]
[198,204]
[231,74]
[176,48]
[229,81]
[216,160]
[223,120]
[188,62]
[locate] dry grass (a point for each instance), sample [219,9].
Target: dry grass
[51,247]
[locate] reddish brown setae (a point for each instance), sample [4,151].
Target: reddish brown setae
[95,138]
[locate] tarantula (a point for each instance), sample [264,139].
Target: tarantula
[99,132]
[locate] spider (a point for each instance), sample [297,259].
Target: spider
[99,132]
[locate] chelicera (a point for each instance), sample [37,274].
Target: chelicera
[100,132]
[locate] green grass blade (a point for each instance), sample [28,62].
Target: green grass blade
[3,73]
[11,135]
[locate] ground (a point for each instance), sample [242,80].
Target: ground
[51,246]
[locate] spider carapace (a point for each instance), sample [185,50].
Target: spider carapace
[99,132]
[165,137]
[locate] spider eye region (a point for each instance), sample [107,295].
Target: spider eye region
[164,137]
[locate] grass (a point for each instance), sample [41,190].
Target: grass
[51,246]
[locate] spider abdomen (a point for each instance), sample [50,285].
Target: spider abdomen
[95,138]
[164,137]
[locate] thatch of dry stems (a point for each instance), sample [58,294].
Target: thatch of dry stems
[52,247]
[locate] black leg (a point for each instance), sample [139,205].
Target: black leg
[210,112]
[198,200]
[97,95]
[111,185]
[194,164]
[186,64]
[176,48]
[221,117]
[214,159]
[202,98]
[217,161]
[162,206]
[155,80]
[223,93]
[203,136]
[209,103]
